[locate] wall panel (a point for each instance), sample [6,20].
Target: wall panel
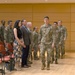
[15,8]
[65,17]
[73,45]
[15,16]
[67,45]
[51,8]
[36,12]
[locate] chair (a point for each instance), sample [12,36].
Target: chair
[10,50]
[10,53]
[1,43]
[4,57]
[2,53]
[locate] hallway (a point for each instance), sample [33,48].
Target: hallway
[66,66]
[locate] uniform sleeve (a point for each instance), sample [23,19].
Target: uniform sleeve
[34,38]
[53,35]
[13,35]
[6,35]
[59,36]
[65,33]
[40,36]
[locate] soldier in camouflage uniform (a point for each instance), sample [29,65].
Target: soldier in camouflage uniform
[30,57]
[35,42]
[2,28]
[56,38]
[8,34]
[63,37]
[9,39]
[46,43]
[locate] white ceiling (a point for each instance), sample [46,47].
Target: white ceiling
[37,1]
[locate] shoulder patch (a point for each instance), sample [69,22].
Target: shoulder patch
[42,26]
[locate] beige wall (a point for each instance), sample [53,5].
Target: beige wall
[37,1]
[36,12]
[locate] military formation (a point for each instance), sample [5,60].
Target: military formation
[49,39]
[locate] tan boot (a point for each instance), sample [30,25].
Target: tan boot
[43,67]
[56,62]
[48,66]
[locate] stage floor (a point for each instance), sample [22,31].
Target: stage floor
[66,66]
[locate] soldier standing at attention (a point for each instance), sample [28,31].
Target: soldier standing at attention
[2,28]
[35,42]
[63,37]
[9,34]
[56,38]
[46,42]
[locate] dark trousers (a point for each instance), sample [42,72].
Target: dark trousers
[25,52]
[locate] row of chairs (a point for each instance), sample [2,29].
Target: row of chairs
[6,55]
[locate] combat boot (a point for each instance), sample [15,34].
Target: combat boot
[43,66]
[56,61]
[48,66]
[61,56]
[52,60]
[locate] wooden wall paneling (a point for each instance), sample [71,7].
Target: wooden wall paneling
[15,8]
[65,17]
[73,27]
[72,17]
[67,45]
[67,25]
[73,8]
[51,8]
[72,45]
[72,36]
[16,16]
[36,12]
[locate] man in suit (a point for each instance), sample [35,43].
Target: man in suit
[26,38]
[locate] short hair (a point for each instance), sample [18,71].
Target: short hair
[22,20]
[56,22]
[16,25]
[9,21]
[46,17]
[60,20]
[34,28]
[29,22]
[2,21]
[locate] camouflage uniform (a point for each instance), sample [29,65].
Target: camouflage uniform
[45,38]
[35,44]
[63,35]
[2,28]
[56,38]
[9,38]
[30,57]
[9,35]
